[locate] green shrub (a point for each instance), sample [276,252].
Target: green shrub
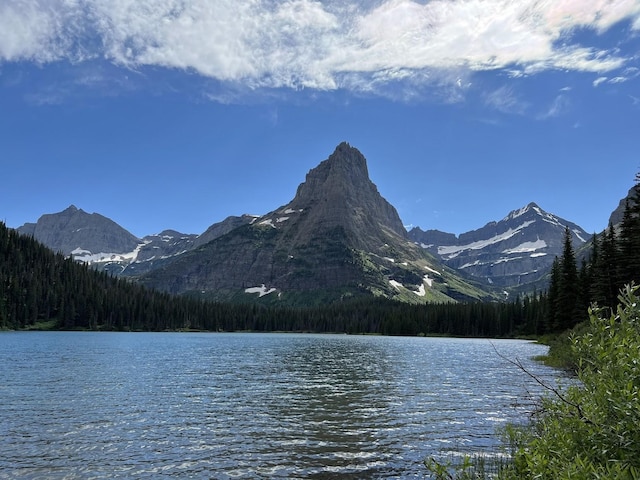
[592,429]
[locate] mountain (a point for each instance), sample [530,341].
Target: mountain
[99,241]
[616,216]
[74,231]
[337,238]
[513,253]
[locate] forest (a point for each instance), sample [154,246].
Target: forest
[40,289]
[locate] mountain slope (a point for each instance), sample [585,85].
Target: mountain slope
[338,237]
[516,252]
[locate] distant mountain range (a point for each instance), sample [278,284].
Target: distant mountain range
[337,238]
[514,253]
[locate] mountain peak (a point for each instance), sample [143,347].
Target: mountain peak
[524,210]
[71,209]
[339,177]
[73,229]
[350,157]
[340,193]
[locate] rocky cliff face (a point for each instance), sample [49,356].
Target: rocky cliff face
[337,237]
[515,252]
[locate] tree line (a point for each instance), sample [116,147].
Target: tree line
[612,263]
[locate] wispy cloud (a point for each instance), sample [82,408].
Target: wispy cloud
[322,45]
[559,106]
[505,100]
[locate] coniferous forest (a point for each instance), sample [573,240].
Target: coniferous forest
[43,289]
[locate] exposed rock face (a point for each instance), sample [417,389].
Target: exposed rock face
[222,228]
[518,250]
[339,194]
[337,237]
[74,229]
[616,216]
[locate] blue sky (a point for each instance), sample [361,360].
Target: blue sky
[175,114]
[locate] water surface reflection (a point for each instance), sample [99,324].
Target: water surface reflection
[117,405]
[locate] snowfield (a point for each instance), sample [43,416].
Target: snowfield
[86,256]
[455,250]
[261,290]
[527,247]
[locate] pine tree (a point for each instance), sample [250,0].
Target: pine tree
[551,322]
[568,285]
[630,240]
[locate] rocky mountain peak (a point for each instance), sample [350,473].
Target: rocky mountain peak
[74,229]
[343,173]
[531,209]
[337,238]
[338,192]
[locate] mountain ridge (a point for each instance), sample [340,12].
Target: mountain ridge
[337,232]
[514,252]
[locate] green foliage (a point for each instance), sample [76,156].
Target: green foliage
[471,467]
[592,429]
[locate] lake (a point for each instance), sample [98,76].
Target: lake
[78,405]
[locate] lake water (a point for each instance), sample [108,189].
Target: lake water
[76,405]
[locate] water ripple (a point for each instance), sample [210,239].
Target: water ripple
[84,405]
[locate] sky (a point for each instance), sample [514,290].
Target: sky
[174,114]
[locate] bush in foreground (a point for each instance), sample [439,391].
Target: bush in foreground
[591,430]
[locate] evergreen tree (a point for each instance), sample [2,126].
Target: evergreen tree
[630,240]
[551,322]
[568,287]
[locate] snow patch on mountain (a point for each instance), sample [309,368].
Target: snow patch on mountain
[578,234]
[454,250]
[85,256]
[268,222]
[527,247]
[432,270]
[289,211]
[516,213]
[261,290]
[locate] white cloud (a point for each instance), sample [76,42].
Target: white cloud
[29,30]
[599,80]
[318,44]
[618,80]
